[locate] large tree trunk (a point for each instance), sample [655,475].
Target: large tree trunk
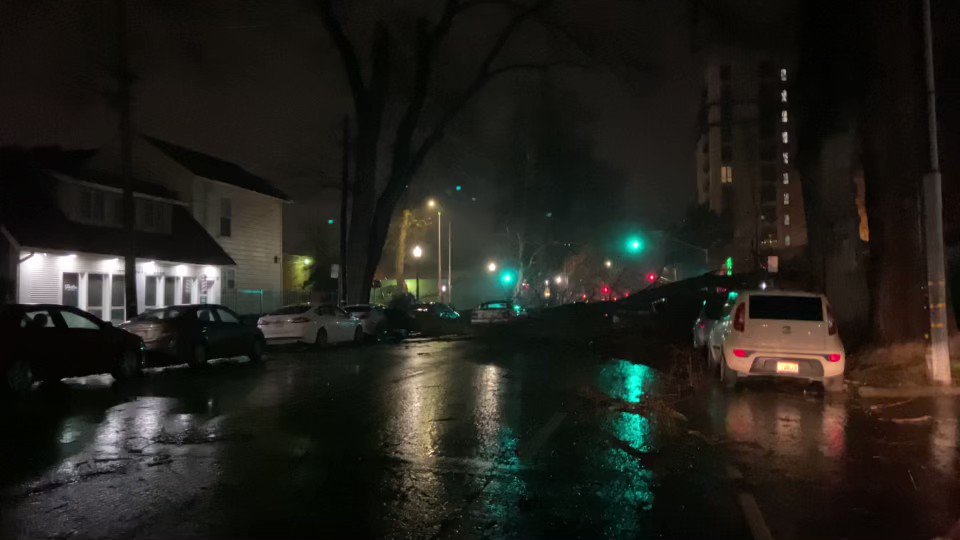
[894,152]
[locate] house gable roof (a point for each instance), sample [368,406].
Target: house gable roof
[215,168]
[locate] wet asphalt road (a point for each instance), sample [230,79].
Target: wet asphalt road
[468,438]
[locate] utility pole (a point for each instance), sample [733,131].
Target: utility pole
[439,259]
[126,164]
[449,262]
[938,353]
[344,196]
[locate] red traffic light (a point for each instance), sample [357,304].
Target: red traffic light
[652,278]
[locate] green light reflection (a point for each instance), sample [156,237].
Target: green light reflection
[624,380]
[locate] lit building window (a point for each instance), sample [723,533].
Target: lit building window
[784,117]
[786,220]
[786,158]
[726,174]
[783,96]
[786,240]
[786,199]
[785,136]
[783,74]
[786,178]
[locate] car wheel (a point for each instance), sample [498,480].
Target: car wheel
[256,350]
[18,379]
[321,340]
[198,356]
[727,375]
[833,384]
[128,367]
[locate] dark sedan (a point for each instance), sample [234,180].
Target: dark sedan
[47,342]
[193,334]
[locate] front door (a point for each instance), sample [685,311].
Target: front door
[237,338]
[86,348]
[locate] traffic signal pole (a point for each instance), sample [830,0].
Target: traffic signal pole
[938,351]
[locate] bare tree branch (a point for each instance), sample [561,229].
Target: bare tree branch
[348,55]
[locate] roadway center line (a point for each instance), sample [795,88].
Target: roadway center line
[758,526]
[529,449]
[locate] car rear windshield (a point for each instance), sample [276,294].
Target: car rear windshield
[292,310]
[790,308]
[160,314]
[714,308]
[495,305]
[357,309]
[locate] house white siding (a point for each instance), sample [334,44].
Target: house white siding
[255,242]
[66,278]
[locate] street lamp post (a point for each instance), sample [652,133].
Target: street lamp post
[432,203]
[417,253]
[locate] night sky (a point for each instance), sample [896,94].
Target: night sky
[258,83]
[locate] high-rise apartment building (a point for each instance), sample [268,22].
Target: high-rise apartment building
[746,154]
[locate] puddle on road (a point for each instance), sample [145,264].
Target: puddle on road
[625,381]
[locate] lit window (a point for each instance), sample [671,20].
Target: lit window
[786,158]
[785,136]
[786,240]
[784,117]
[786,178]
[726,174]
[786,199]
[786,220]
[783,74]
[783,96]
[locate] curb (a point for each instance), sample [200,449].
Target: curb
[908,391]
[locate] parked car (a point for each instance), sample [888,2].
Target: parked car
[497,311]
[707,318]
[313,324]
[435,318]
[371,316]
[45,342]
[778,334]
[193,334]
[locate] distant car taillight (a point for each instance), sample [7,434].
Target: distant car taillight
[300,319]
[835,357]
[831,325]
[740,353]
[740,318]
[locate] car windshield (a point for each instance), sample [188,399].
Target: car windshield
[787,308]
[292,310]
[496,305]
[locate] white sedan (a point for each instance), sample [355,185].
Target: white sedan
[316,325]
[370,316]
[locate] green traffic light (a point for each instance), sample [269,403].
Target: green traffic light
[634,244]
[330,222]
[507,277]
[459,188]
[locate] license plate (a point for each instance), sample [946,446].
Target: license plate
[788,367]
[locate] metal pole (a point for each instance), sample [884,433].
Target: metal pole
[449,261]
[439,260]
[344,196]
[126,165]
[938,356]
[418,279]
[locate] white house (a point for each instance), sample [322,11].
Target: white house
[63,240]
[242,211]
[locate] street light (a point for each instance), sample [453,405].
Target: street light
[491,267]
[417,253]
[558,280]
[608,263]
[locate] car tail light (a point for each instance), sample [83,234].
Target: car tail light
[739,318]
[835,357]
[740,353]
[831,324]
[300,319]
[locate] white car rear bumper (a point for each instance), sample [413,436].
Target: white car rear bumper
[787,364]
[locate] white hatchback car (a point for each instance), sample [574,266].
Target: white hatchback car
[316,325]
[777,334]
